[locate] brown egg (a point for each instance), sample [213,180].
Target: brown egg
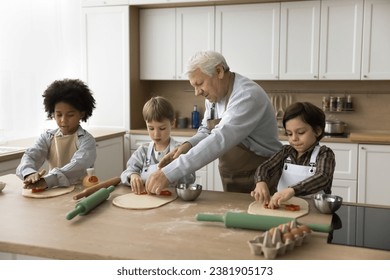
[271,231]
[288,236]
[305,228]
[296,231]
[282,225]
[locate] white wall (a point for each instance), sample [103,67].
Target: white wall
[40,41]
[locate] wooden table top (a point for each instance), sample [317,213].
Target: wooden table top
[38,227]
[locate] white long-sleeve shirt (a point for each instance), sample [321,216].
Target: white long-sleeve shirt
[69,174]
[249,119]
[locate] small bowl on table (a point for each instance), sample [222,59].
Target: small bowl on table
[327,203]
[188,192]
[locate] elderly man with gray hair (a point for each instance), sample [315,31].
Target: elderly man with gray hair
[239,128]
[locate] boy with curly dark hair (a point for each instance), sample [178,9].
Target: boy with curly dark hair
[68,149]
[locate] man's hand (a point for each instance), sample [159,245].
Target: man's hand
[156,182]
[174,154]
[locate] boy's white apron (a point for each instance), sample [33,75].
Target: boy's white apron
[293,173]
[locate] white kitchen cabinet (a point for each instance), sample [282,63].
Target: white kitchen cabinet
[346,160]
[347,189]
[299,40]
[9,166]
[157,44]
[195,32]
[376,40]
[374,175]
[207,176]
[106,64]
[345,174]
[92,3]
[109,160]
[148,2]
[170,36]
[341,39]
[248,37]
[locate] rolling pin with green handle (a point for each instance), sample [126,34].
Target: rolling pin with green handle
[90,202]
[256,222]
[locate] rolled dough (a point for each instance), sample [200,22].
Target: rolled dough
[258,208]
[53,192]
[143,201]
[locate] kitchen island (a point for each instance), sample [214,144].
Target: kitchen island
[38,227]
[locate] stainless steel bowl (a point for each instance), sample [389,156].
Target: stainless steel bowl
[327,203]
[188,192]
[335,127]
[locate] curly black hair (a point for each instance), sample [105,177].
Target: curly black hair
[71,91]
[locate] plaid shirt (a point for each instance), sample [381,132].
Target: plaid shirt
[271,170]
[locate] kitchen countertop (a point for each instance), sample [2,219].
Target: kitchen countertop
[38,227]
[18,146]
[375,137]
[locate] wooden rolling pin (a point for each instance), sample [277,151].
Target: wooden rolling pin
[105,184]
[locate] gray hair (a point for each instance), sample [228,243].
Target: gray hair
[206,61]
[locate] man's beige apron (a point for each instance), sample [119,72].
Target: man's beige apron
[237,167]
[62,150]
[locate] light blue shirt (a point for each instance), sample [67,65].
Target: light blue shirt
[249,119]
[71,173]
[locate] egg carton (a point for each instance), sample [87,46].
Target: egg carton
[271,244]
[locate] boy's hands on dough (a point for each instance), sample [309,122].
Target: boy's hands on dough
[33,178]
[261,192]
[38,185]
[279,197]
[136,183]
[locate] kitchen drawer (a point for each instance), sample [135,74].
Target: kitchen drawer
[347,189]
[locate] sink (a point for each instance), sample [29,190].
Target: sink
[8,150]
